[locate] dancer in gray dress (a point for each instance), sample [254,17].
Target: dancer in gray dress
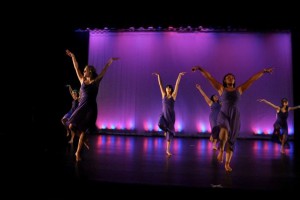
[281,125]
[168,113]
[229,115]
[85,115]
[215,106]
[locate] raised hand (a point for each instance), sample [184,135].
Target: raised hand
[112,59]
[268,70]
[196,68]
[69,53]
[198,87]
[261,100]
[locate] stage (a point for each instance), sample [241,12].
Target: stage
[128,165]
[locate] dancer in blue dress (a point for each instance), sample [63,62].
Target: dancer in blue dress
[215,106]
[75,95]
[281,125]
[85,115]
[168,112]
[229,115]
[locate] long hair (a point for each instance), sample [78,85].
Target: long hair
[212,98]
[170,86]
[224,83]
[75,91]
[282,101]
[92,71]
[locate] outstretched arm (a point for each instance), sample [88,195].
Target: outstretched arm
[70,89]
[255,77]
[277,108]
[294,108]
[109,62]
[217,85]
[163,93]
[75,64]
[206,98]
[174,94]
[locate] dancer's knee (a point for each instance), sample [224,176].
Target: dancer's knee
[223,135]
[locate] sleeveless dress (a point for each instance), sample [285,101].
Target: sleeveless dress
[167,117]
[229,115]
[74,106]
[213,119]
[281,128]
[85,115]
[169,112]
[281,122]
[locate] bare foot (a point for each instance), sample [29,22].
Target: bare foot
[68,133]
[228,168]
[282,150]
[220,156]
[168,153]
[78,158]
[215,147]
[71,141]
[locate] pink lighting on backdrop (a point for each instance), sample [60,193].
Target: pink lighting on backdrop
[129,96]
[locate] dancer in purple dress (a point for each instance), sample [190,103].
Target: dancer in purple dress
[229,115]
[215,106]
[85,115]
[281,125]
[168,112]
[75,95]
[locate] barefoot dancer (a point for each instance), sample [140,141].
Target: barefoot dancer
[168,113]
[215,106]
[229,115]
[281,125]
[85,115]
[75,95]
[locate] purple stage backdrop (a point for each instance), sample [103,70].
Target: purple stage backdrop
[129,97]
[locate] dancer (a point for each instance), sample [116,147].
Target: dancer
[229,115]
[215,106]
[75,95]
[281,125]
[85,115]
[167,119]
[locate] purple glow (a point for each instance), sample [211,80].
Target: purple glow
[153,146]
[204,148]
[176,147]
[201,127]
[129,96]
[264,148]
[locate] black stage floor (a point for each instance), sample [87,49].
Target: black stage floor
[138,166]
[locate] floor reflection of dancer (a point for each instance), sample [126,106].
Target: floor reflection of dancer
[215,106]
[229,115]
[85,115]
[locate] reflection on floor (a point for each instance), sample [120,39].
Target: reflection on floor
[131,163]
